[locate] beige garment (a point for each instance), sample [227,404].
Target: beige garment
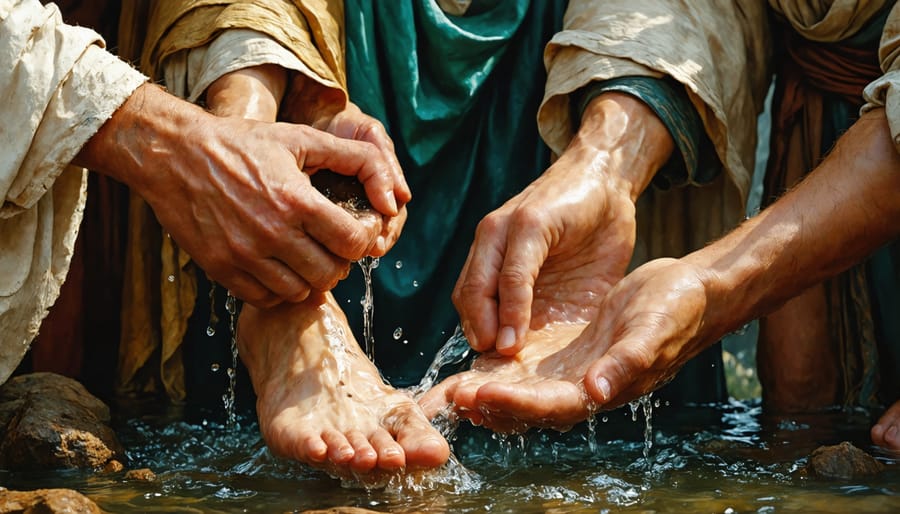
[161,287]
[885,92]
[718,49]
[827,20]
[59,87]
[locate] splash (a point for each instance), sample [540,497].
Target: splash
[367,264]
[453,352]
[645,404]
[228,397]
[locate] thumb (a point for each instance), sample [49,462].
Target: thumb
[623,366]
[320,150]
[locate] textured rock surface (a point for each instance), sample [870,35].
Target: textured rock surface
[48,421]
[842,462]
[46,501]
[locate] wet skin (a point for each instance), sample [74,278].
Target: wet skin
[322,402]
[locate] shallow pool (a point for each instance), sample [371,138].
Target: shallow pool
[724,458]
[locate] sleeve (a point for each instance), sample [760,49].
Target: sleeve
[60,86]
[190,72]
[693,161]
[717,50]
[885,91]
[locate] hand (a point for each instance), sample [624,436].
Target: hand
[551,252]
[231,193]
[646,327]
[311,104]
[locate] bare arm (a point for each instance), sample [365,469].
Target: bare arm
[668,310]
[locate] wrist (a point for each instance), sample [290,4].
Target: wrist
[139,134]
[254,93]
[625,129]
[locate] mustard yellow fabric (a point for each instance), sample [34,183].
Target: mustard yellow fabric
[160,281]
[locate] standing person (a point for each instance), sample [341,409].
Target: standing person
[437,76]
[79,104]
[833,349]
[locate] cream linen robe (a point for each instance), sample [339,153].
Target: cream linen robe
[885,92]
[718,49]
[59,87]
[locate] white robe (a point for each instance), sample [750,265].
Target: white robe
[58,87]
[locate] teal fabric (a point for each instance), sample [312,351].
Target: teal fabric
[694,161]
[459,96]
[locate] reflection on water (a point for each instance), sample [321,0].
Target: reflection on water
[727,458]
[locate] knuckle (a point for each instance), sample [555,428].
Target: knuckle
[528,216]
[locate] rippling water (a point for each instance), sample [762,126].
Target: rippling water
[726,458]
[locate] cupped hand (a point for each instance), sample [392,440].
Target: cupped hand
[547,255]
[646,328]
[310,103]
[236,194]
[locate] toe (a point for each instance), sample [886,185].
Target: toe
[424,446]
[340,451]
[390,454]
[364,455]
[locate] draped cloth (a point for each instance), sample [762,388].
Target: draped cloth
[60,87]
[685,41]
[830,54]
[161,281]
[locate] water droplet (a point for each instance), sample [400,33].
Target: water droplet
[214,367]
[406,341]
[210,331]
[604,419]
[656,403]
[398,333]
[398,264]
[375,262]
[171,278]
[415,283]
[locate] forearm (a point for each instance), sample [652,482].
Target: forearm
[623,134]
[141,131]
[838,215]
[253,93]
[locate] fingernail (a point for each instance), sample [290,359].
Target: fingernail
[392,202]
[603,387]
[506,339]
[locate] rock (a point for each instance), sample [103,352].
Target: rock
[140,475]
[113,466]
[48,421]
[46,501]
[842,462]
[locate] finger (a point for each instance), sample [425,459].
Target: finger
[619,371]
[475,294]
[280,280]
[554,404]
[317,150]
[375,133]
[526,250]
[389,234]
[311,262]
[885,432]
[246,288]
[337,230]
[438,398]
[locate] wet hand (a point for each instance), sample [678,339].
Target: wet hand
[236,194]
[547,255]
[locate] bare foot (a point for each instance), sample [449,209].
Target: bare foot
[321,401]
[541,386]
[886,433]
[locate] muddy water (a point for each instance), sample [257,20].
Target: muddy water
[726,458]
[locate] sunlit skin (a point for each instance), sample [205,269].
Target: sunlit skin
[322,402]
[668,310]
[319,399]
[241,183]
[541,263]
